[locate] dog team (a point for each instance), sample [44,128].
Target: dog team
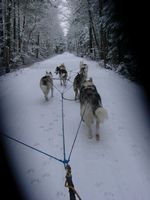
[91,108]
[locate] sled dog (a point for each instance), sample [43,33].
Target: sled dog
[91,109]
[46,84]
[84,67]
[78,80]
[63,74]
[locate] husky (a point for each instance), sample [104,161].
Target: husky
[84,67]
[63,74]
[78,80]
[91,109]
[46,84]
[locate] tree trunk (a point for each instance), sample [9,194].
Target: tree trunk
[1,30]
[18,32]
[105,47]
[8,35]
[14,28]
[92,32]
[21,40]
[101,31]
[38,42]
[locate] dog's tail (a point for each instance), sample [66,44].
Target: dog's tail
[101,114]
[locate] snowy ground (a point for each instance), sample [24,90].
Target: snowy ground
[115,168]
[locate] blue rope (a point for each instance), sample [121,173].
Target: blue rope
[42,152]
[74,140]
[76,134]
[63,132]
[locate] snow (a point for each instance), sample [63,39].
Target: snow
[115,168]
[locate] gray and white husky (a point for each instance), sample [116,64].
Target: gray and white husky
[46,84]
[91,109]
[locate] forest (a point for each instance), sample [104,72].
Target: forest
[32,30]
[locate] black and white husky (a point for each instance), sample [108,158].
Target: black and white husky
[46,84]
[91,109]
[84,67]
[63,74]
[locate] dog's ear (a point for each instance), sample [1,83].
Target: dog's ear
[56,70]
[90,79]
[81,62]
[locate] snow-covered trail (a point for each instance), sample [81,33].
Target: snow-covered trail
[115,168]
